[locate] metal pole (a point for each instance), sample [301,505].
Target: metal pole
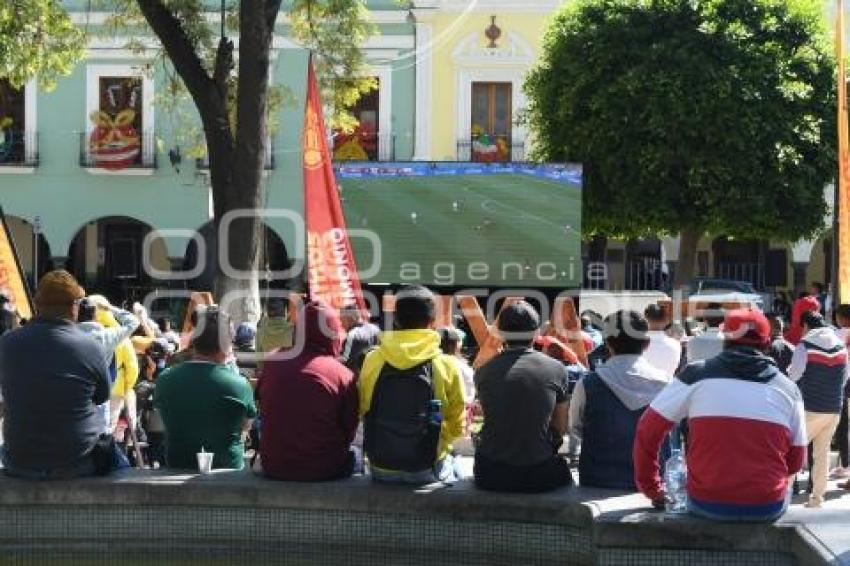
[36,232]
[836,297]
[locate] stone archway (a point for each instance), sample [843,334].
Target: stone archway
[274,258]
[106,255]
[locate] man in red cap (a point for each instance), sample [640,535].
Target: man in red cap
[741,410]
[819,367]
[801,306]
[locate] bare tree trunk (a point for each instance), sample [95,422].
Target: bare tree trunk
[239,286]
[236,161]
[688,242]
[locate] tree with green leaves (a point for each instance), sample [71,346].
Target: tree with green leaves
[37,39]
[691,116]
[233,104]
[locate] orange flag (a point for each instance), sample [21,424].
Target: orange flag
[842,206]
[12,280]
[331,270]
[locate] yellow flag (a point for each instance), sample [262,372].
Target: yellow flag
[843,204]
[12,281]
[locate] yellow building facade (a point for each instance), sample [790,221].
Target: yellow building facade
[472,58]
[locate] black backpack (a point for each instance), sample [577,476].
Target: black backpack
[398,432]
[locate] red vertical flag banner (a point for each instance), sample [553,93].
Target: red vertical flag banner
[842,206]
[331,269]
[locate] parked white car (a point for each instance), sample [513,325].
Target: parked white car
[728,291]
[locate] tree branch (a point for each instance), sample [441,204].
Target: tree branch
[223,66]
[180,50]
[272,10]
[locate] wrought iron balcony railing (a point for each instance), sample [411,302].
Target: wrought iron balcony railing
[18,148]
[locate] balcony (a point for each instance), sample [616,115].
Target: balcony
[18,150]
[118,153]
[361,146]
[203,163]
[490,148]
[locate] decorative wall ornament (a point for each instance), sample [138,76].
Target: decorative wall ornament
[513,50]
[114,143]
[493,33]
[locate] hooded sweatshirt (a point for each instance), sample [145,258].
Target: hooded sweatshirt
[801,306]
[632,380]
[404,349]
[604,411]
[308,404]
[819,366]
[741,410]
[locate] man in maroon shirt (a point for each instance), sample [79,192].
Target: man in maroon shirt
[308,404]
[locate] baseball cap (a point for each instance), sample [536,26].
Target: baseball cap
[745,326]
[245,334]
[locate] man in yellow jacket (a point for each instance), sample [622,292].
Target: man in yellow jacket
[411,397]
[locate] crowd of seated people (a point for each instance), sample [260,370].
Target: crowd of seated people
[89,388]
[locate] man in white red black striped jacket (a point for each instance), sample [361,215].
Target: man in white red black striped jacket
[819,366]
[747,433]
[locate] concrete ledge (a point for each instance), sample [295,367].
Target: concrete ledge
[321,523]
[245,489]
[808,549]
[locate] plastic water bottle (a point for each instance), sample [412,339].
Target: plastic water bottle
[435,412]
[675,482]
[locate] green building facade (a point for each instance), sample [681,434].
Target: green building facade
[91,168]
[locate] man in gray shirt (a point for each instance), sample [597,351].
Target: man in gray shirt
[53,377]
[523,394]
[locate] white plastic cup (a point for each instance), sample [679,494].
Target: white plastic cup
[205,460]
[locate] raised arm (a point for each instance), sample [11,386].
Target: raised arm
[127,324]
[798,363]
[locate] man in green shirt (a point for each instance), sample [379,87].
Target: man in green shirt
[204,403]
